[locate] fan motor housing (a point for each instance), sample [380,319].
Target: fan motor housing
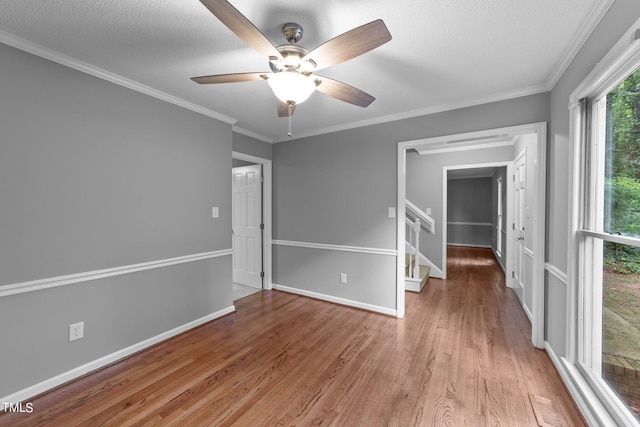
[292,52]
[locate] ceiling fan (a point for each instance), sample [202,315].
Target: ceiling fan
[293,77]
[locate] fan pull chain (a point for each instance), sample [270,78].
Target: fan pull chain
[290,114]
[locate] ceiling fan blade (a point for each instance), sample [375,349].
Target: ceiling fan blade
[284,110]
[229,78]
[343,92]
[350,44]
[242,27]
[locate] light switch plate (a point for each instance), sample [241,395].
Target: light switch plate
[392,212]
[215,213]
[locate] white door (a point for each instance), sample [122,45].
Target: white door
[247,218]
[519,188]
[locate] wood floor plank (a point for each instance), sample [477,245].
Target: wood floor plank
[462,356]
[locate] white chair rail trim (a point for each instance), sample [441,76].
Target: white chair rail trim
[556,272]
[358,249]
[53,282]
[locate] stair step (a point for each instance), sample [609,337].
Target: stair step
[424,276]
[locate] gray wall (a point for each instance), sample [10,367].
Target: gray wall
[621,15]
[336,189]
[255,147]
[94,176]
[470,201]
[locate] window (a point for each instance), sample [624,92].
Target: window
[609,246]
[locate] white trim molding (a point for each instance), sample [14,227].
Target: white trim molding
[556,272]
[336,300]
[54,282]
[591,409]
[43,386]
[518,93]
[579,39]
[43,52]
[442,147]
[528,252]
[246,132]
[342,248]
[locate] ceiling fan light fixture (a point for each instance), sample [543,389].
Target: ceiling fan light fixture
[291,86]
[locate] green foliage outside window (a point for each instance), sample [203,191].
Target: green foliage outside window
[622,171]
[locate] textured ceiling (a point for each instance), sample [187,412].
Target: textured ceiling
[444,53]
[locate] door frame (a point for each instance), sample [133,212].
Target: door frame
[244,275]
[267,283]
[478,139]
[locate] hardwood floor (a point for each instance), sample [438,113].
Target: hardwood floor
[462,356]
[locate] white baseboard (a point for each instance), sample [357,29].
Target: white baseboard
[504,270]
[470,245]
[337,300]
[29,392]
[589,405]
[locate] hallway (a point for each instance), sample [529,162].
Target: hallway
[461,356]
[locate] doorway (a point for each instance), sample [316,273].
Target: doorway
[246,222]
[252,237]
[536,234]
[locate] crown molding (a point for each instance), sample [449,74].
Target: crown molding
[532,90]
[579,39]
[251,134]
[67,61]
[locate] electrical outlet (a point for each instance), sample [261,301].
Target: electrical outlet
[343,278]
[76,331]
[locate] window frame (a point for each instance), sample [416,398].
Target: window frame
[584,345]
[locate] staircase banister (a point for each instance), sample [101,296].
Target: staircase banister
[425,220]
